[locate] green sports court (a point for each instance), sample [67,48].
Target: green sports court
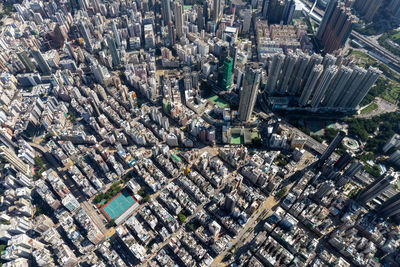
[118,205]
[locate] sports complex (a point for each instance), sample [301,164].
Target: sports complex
[120,207]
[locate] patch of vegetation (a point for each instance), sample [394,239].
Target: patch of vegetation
[368,30]
[373,170]
[72,117]
[281,193]
[388,126]
[386,88]
[371,107]
[330,134]
[362,128]
[393,36]
[282,160]
[114,190]
[182,218]
[145,198]
[111,223]
[40,167]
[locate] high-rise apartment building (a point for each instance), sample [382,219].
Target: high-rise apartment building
[273,71]
[390,207]
[113,50]
[26,61]
[319,81]
[166,11]
[369,80]
[336,26]
[41,62]
[85,34]
[298,73]
[377,187]
[367,8]
[337,87]
[331,148]
[394,8]
[217,11]
[323,85]
[227,73]
[10,156]
[310,84]
[249,92]
[287,70]
[179,19]
[277,11]
[353,83]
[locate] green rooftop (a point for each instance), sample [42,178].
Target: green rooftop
[236,139]
[175,157]
[216,100]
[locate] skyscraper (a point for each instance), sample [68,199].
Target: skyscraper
[265,8]
[370,78]
[113,50]
[227,73]
[337,87]
[315,59]
[324,189]
[287,70]
[117,36]
[273,71]
[277,11]
[368,8]
[42,63]
[353,83]
[217,12]
[26,61]
[323,85]
[166,11]
[179,19]
[331,148]
[298,73]
[336,26]
[353,169]
[85,34]
[390,207]
[342,162]
[310,85]
[377,187]
[249,92]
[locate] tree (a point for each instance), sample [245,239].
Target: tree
[330,134]
[281,193]
[72,117]
[141,192]
[111,223]
[190,226]
[145,198]
[182,218]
